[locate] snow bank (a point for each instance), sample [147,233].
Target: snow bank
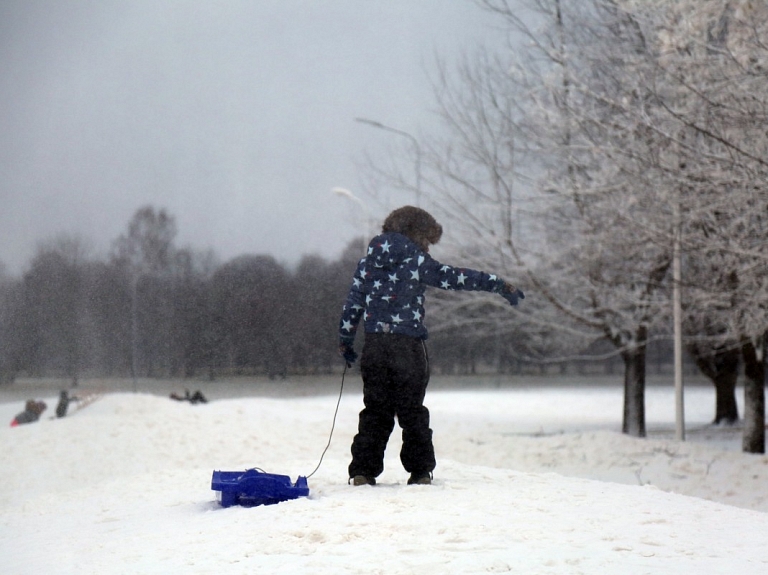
[527,482]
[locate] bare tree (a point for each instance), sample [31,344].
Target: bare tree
[529,138]
[55,308]
[146,253]
[617,118]
[711,94]
[10,299]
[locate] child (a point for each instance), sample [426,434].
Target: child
[387,293]
[64,400]
[32,411]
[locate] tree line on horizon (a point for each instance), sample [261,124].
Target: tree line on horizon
[153,310]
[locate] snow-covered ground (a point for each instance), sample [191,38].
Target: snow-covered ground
[530,480]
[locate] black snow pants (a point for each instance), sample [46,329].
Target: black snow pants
[395,371]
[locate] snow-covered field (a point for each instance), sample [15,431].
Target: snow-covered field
[530,480]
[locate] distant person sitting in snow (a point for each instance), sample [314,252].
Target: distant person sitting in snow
[32,411]
[196,397]
[387,294]
[64,401]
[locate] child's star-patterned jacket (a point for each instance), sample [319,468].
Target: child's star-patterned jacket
[388,287]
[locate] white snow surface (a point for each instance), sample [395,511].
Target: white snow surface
[529,481]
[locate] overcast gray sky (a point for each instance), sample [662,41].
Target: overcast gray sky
[234,115]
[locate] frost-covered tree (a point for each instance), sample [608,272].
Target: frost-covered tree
[712,97]
[523,180]
[575,160]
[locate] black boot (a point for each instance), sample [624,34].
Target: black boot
[420,478]
[362,480]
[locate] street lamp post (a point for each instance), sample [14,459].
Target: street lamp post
[345,193]
[416,147]
[677,315]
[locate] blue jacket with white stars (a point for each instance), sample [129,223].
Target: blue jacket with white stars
[388,287]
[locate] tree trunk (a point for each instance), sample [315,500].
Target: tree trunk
[722,368]
[634,387]
[753,351]
[726,408]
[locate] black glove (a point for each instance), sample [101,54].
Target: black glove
[509,292]
[347,351]
[513,296]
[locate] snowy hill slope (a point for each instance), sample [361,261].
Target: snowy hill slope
[124,487]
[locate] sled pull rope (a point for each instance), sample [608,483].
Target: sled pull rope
[333,425]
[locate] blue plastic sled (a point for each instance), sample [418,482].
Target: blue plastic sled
[253,487]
